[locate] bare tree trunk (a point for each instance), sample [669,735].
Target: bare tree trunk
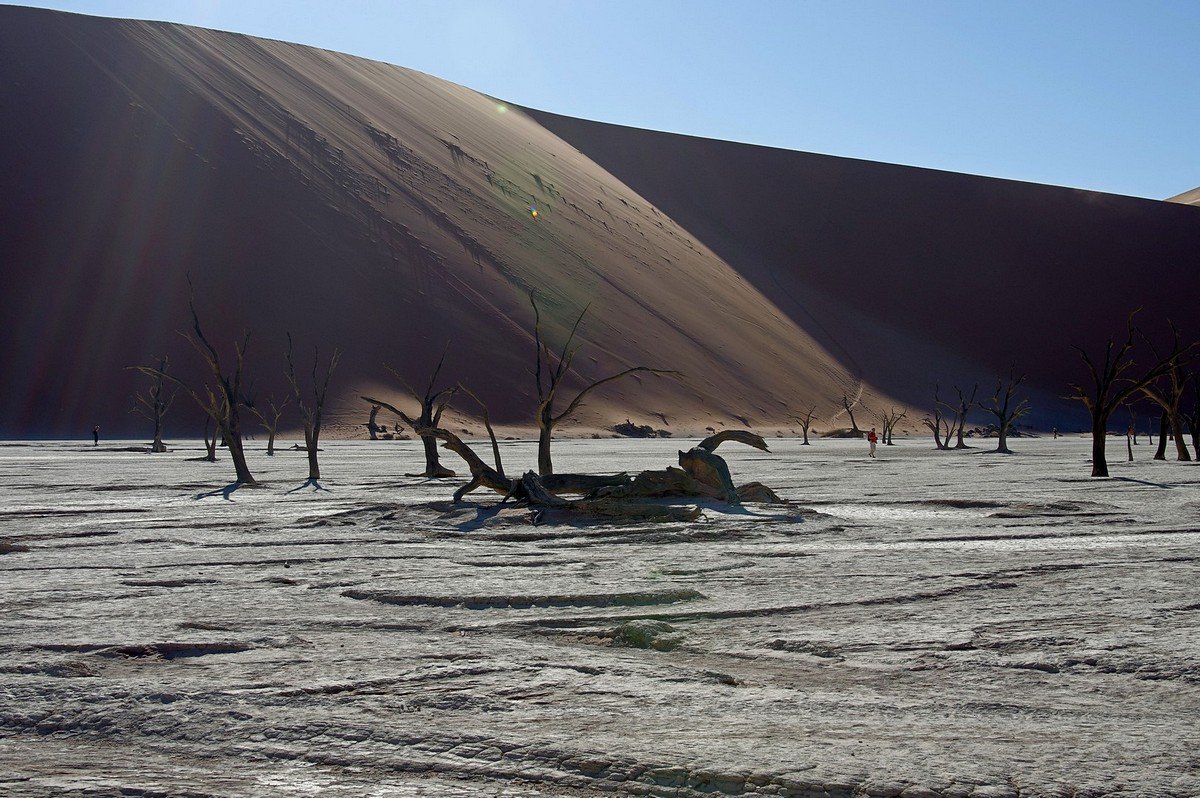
[372,427]
[1181,450]
[545,433]
[157,445]
[1099,432]
[271,443]
[433,466]
[964,407]
[154,403]
[1129,445]
[849,407]
[1161,454]
[238,453]
[805,420]
[310,443]
[313,411]
[210,444]
[428,420]
[433,403]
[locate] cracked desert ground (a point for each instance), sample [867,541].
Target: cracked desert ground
[925,624]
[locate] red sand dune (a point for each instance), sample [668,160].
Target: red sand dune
[1188,197]
[365,206]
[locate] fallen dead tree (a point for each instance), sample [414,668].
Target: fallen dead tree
[531,490]
[703,474]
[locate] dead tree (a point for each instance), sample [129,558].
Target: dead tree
[1003,408]
[210,443]
[805,420]
[155,401]
[941,424]
[1192,417]
[532,490]
[1110,388]
[433,403]
[1164,434]
[1133,419]
[702,473]
[482,475]
[487,424]
[1193,420]
[373,428]
[849,406]
[312,410]
[961,409]
[221,403]
[888,421]
[1167,392]
[555,368]
[268,419]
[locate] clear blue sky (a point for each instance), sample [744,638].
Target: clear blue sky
[1086,93]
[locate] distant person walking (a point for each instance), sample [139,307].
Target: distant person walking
[1055,431]
[96,435]
[872,439]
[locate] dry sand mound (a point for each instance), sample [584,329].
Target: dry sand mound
[386,212]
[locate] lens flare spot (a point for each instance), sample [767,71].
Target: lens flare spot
[533,211]
[501,108]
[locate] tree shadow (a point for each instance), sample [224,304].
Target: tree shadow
[316,486]
[1144,482]
[225,492]
[483,514]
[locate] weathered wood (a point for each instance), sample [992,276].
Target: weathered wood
[482,475]
[710,443]
[758,492]
[712,470]
[655,484]
[373,429]
[583,483]
[487,424]
[531,490]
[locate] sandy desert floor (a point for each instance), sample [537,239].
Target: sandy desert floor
[926,624]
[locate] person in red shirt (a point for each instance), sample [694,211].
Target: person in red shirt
[872,439]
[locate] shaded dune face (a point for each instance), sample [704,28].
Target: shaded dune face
[386,212]
[354,204]
[914,275]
